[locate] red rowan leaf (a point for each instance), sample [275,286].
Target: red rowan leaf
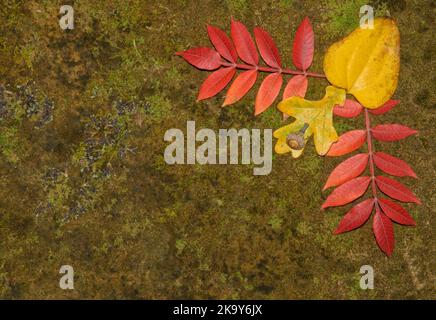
[350,109]
[347,170]
[302,52]
[396,212]
[268,92]
[216,82]
[244,43]
[222,43]
[385,108]
[202,58]
[347,142]
[384,232]
[356,217]
[392,165]
[396,190]
[391,132]
[268,49]
[240,86]
[297,86]
[347,192]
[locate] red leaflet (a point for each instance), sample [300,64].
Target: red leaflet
[392,165]
[385,108]
[347,143]
[396,190]
[222,43]
[350,109]
[347,170]
[391,132]
[244,43]
[268,92]
[297,86]
[356,217]
[268,49]
[216,82]
[202,58]
[384,232]
[240,86]
[302,52]
[396,212]
[347,192]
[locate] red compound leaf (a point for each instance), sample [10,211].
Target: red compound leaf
[241,45]
[386,210]
[356,217]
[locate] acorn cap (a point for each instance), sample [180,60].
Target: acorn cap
[295,141]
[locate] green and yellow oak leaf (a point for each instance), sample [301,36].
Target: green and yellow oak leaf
[318,115]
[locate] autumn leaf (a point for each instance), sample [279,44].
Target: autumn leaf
[396,190]
[240,86]
[268,92]
[384,232]
[396,212]
[366,63]
[385,107]
[216,82]
[222,43]
[244,43]
[296,87]
[347,142]
[392,165]
[268,50]
[391,132]
[356,217]
[202,58]
[347,170]
[350,109]
[317,115]
[302,51]
[347,192]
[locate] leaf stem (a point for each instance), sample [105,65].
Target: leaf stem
[271,70]
[370,153]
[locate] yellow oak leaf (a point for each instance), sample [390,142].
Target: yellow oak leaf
[311,118]
[366,63]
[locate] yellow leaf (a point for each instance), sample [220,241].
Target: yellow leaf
[366,63]
[318,117]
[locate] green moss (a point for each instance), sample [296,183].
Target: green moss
[342,16]
[237,6]
[9,144]
[275,222]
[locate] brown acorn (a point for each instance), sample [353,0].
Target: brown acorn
[296,140]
